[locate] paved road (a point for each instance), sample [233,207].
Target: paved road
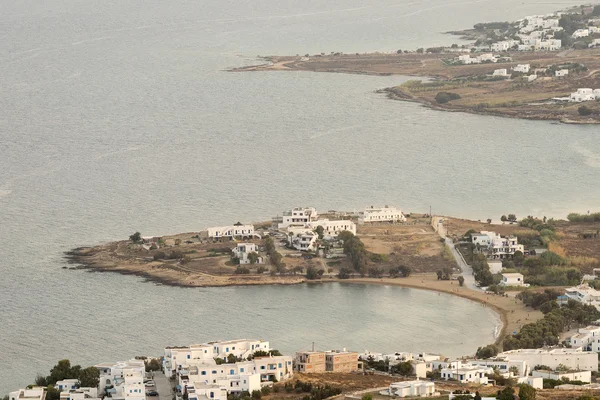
[163,387]
[466,268]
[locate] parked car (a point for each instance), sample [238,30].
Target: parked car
[152,393]
[149,383]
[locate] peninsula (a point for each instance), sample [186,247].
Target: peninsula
[380,245]
[541,67]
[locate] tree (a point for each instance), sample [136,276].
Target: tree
[367,396]
[403,368]
[269,245]
[136,237]
[461,280]
[256,394]
[404,271]
[276,258]
[52,393]
[585,111]
[486,352]
[507,393]
[312,273]
[518,257]
[489,220]
[512,218]
[90,377]
[153,365]
[63,370]
[232,359]
[319,230]
[253,257]
[420,50]
[40,380]
[503,218]
[344,273]
[477,396]
[526,392]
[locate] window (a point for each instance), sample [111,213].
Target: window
[241,369]
[212,395]
[279,365]
[203,373]
[188,356]
[231,372]
[214,372]
[262,367]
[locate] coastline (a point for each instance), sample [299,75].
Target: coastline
[514,98]
[511,312]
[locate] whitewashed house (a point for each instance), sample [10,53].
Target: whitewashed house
[332,229]
[232,232]
[298,216]
[467,374]
[67,384]
[123,380]
[524,68]
[579,33]
[534,381]
[561,72]
[84,393]
[203,391]
[495,266]
[576,359]
[501,46]
[503,366]
[35,393]
[531,78]
[512,279]
[582,94]
[595,43]
[303,239]
[381,214]
[501,72]
[243,250]
[549,44]
[505,247]
[582,376]
[584,294]
[415,388]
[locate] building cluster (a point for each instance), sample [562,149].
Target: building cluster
[216,369]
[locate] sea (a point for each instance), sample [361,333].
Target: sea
[120,116]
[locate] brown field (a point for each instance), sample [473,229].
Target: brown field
[457,227]
[476,96]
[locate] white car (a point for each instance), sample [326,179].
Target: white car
[149,383]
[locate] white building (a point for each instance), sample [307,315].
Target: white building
[240,376]
[467,374]
[583,376]
[35,393]
[85,393]
[579,33]
[243,250]
[332,229]
[415,388]
[232,231]
[298,216]
[202,391]
[512,279]
[561,72]
[524,68]
[505,247]
[303,239]
[381,214]
[595,43]
[67,384]
[123,380]
[534,381]
[501,46]
[584,294]
[576,359]
[504,366]
[531,78]
[501,72]
[549,44]
[587,338]
[584,94]
[495,266]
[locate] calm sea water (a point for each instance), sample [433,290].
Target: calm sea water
[118,116]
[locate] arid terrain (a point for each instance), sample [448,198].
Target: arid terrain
[515,97]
